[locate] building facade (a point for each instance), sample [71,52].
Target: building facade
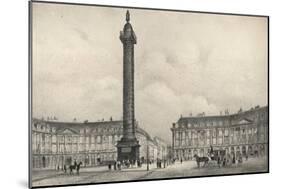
[55,144]
[245,132]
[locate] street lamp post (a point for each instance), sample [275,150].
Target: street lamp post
[163,157]
[147,154]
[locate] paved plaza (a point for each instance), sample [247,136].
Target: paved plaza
[184,169]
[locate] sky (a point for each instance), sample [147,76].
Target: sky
[184,63]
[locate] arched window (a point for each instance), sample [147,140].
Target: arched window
[195,151]
[99,139]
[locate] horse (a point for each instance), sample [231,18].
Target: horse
[78,167]
[201,159]
[71,168]
[75,166]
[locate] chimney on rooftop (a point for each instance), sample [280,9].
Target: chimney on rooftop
[257,107]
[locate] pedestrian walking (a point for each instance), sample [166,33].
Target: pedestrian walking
[118,165]
[64,168]
[115,163]
[109,166]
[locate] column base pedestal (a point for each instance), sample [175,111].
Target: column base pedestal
[128,149]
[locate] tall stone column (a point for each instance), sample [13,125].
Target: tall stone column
[128,146]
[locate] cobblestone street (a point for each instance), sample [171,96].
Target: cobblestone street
[186,169]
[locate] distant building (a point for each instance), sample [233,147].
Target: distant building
[245,132]
[162,148]
[55,144]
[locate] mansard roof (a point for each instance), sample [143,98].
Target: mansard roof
[143,132]
[73,127]
[224,117]
[85,124]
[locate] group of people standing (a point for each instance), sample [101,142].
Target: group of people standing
[161,163]
[118,165]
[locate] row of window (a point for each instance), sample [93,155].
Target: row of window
[220,140]
[70,148]
[47,129]
[73,139]
[45,138]
[207,123]
[218,132]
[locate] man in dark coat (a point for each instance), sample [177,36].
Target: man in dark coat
[115,164]
[212,150]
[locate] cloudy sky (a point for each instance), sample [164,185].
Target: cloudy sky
[184,62]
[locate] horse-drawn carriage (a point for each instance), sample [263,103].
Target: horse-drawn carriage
[217,157]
